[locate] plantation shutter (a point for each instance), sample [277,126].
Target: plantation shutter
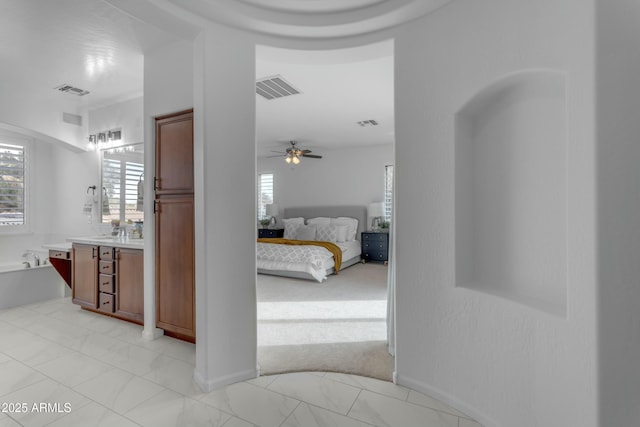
[120,179]
[12,184]
[388,192]
[265,193]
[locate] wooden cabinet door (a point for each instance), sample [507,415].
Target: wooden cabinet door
[84,277]
[130,284]
[175,275]
[174,154]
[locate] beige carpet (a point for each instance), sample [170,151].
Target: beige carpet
[335,326]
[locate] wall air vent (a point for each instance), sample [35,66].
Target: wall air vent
[368,123]
[72,90]
[275,87]
[72,119]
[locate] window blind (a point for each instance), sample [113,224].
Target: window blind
[12,184]
[388,192]
[265,193]
[120,179]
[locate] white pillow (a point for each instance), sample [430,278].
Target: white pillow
[319,221]
[291,229]
[306,232]
[351,223]
[327,233]
[341,233]
[298,220]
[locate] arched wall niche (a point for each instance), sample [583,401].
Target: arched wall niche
[511,190]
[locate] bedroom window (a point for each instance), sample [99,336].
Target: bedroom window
[13,185]
[265,193]
[122,179]
[388,192]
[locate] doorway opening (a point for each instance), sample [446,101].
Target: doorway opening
[325,140]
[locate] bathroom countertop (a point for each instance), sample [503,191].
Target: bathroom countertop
[108,241]
[62,246]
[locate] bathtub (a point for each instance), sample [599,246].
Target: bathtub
[20,285]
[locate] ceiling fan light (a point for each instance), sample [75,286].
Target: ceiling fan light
[296,160]
[287,159]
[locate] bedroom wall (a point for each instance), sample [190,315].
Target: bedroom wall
[349,176]
[503,362]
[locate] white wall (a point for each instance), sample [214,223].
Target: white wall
[349,176]
[505,363]
[58,180]
[126,115]
[39,110]
[618,95]
[225,207]
[168,88]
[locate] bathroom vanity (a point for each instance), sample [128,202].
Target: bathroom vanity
[107,277]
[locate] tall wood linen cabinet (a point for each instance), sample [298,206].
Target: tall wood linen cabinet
[174,215]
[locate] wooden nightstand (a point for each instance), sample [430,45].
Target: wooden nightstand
[270,232]
[375,246]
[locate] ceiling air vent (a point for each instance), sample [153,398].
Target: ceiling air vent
[275,87]
[72,90]
[368,123]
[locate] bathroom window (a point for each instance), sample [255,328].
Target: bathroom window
[122,184]
[13,185]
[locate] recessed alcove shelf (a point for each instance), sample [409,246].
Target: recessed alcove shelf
[511,191]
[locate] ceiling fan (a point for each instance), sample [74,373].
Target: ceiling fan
[294,153]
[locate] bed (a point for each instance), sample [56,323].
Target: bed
[314,262]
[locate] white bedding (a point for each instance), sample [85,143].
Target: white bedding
[313,260]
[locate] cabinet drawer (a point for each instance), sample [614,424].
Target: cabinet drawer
[374,237]
[374,246]
[106,283]
[375,256]
[106,252]
[59,254]
[270,232]
[106,267]
[106,302]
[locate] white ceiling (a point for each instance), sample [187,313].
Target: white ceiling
[339,89]
[84,43]
[92,45]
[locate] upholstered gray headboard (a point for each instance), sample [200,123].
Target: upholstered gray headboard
[357,212]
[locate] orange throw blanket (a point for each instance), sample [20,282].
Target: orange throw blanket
[332,247]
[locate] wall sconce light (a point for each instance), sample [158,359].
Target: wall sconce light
[100,139]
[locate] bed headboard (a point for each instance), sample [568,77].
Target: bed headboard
[357,212]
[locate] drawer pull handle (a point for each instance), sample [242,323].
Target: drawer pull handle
[106,303]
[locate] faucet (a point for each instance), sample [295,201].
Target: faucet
[36,258]
[26,264]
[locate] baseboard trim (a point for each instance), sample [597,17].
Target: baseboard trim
[216,383]
[445,398]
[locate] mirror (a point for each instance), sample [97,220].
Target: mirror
[122,183]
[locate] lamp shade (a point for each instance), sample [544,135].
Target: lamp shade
[273,209]
[375,209]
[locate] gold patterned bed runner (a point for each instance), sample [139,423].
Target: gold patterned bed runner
[332,247]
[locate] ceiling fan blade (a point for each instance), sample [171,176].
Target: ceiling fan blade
[305,151]
[277,155]
[311,156]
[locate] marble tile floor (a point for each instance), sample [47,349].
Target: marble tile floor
[63,367]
